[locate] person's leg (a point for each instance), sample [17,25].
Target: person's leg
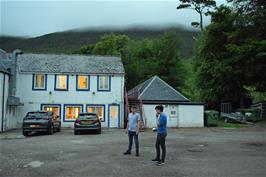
[130,139]
[162,143]
[157,146]
[136,141]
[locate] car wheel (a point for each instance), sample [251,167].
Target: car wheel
[25,133]
[59,128]
[51,130]
[99,131]
[76,132]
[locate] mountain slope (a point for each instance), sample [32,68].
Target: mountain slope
[68,41]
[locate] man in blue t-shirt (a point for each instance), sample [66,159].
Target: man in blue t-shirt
[132,129]
[161,121]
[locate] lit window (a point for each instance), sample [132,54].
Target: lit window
[61,82]
[104,83]
[55,109]
[72,112]
[99,110]
[39,81]
[82,82]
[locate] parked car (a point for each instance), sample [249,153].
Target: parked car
[87,122]
[41,121]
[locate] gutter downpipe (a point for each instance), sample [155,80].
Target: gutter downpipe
[3,105]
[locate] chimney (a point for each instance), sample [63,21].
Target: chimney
[13,70]
[13,63]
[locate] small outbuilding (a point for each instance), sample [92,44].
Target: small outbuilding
[181,112]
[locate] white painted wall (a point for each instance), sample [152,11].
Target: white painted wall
[150,115]
[186,115]
[191,116]
[33,99]
[7,123]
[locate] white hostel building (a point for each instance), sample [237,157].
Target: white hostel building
[64,84]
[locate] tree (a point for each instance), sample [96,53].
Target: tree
[231,55]
[202,7]
[110,44]
[168,56]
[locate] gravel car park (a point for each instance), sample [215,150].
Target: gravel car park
[191,152]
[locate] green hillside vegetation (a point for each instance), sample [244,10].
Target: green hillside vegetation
[69,41]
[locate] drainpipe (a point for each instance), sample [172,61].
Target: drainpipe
[13,77]
[3,105]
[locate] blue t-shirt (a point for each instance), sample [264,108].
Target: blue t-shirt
[162,124]
[133,120]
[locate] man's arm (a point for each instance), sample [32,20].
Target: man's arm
[127,125]
[157,120]
[138,126]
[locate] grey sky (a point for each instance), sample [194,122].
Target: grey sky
[35,18]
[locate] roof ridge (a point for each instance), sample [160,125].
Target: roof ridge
[153,78]
[172,88]
[63,54]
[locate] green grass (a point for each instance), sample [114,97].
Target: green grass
[221,123]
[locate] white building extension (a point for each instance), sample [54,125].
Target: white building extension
[4,78]
[179,110]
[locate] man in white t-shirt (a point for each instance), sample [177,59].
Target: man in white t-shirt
[132,130]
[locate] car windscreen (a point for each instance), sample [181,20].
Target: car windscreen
[37,115]
[88,117]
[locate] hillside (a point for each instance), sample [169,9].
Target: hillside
[68,41]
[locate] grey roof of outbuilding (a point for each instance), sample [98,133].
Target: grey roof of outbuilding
[53,63]
[158,90]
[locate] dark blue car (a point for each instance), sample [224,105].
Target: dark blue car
[87,122]
[40,121]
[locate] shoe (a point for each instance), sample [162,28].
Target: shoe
[137,154]
[127,153]
[155,160]
[160,163]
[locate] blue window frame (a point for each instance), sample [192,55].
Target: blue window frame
[71,112]
[109,111]
[97,108]
[104,83]
[39,82]
[61,82]
[56,108]
[83,83]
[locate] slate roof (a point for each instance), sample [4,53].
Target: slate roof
[53,63]
[3,56]
[3,69]
[157,90]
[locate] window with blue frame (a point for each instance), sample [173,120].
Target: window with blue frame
[98,109]
[104,83]
[83,82]
[39,82]
[71,112]
[55,108]
[61,82]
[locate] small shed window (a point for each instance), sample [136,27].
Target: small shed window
[173,113]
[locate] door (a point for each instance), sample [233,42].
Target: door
[114,116]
